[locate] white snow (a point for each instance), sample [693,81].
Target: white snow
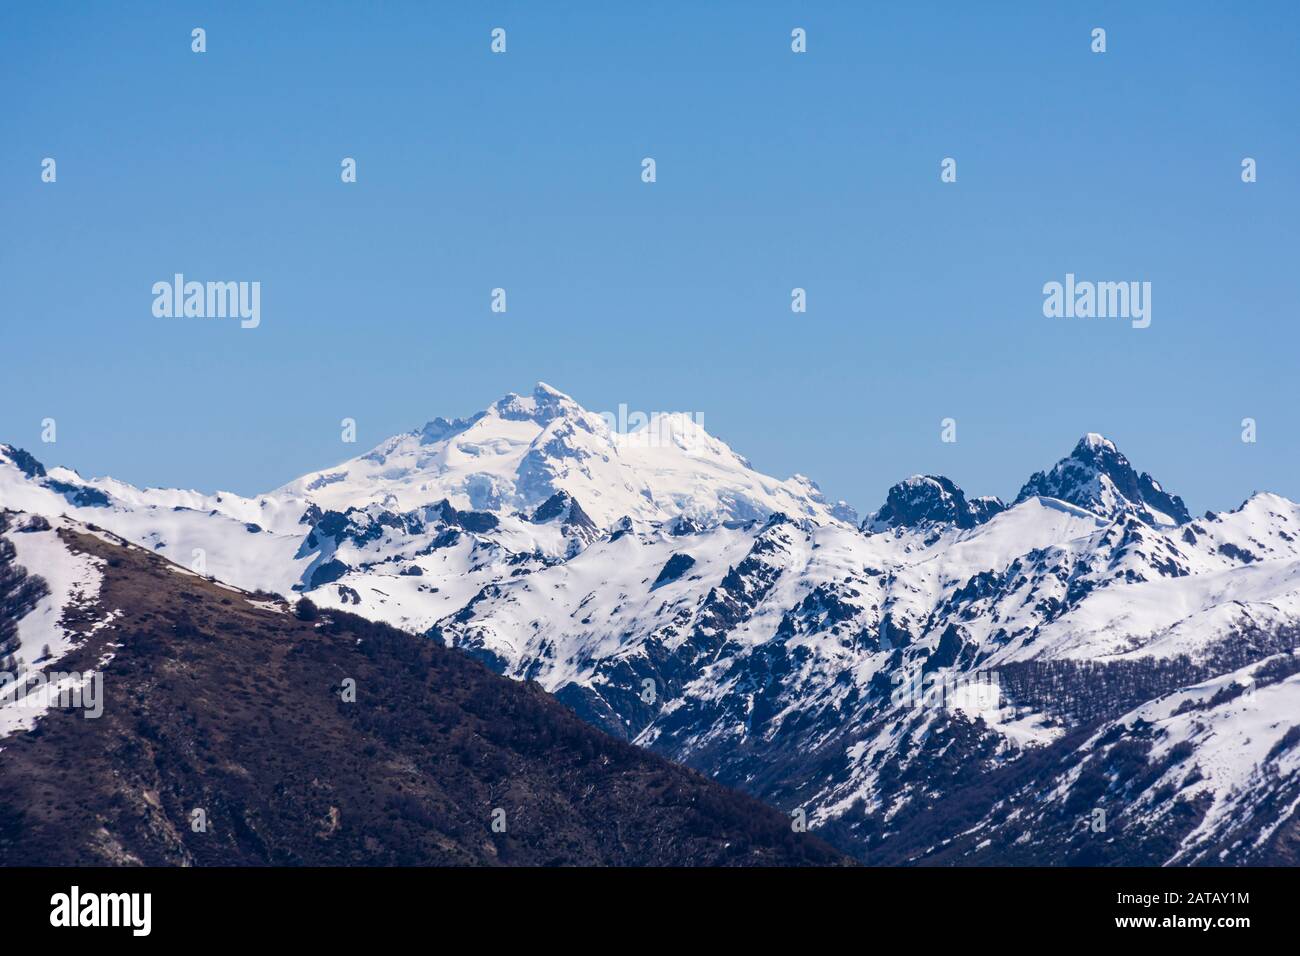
[74,580]
[523,449]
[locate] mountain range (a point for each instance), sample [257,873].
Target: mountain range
[1085,674]
[234,730]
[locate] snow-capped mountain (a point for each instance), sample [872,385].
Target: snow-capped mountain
[500,477]
[672,595]
[1097,477]
[521,451]
[931,500]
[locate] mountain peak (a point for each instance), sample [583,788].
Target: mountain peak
[1098,477]
[542,390]
[22,460]
[1094,443]
[544,405]
[928,500]
[524,448]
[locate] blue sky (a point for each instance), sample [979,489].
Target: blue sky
[775,170]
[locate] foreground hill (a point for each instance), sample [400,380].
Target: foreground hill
[227,703]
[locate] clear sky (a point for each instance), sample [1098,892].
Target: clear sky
[774,170]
